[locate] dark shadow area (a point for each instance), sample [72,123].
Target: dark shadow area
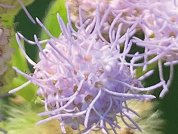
[169,106]
[169,103]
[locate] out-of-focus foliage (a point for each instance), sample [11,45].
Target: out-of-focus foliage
[5,55]
[8,13]
[22,117]
[10,79]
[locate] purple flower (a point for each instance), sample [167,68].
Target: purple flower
[86,79]
[158,22]
[156,17]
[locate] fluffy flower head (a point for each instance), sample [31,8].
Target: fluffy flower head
[86,80]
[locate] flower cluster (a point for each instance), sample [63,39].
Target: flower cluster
[158,23]
[157,18]
[85,80]
[87,75]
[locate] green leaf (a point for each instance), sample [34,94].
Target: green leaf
[29,92]
[50,21]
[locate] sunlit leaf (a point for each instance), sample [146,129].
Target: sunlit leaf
[50,21]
